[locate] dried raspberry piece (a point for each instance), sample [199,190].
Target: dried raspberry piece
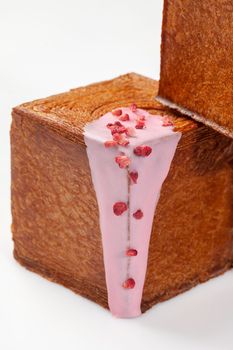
[130,132]
[119,208]
[129,283]
[133,107]
[142,151]
[118,129]
[109,144]
[124,143]
[131,252]
[123,161]
[140,124]
[118,123]
[141,117]
[133,177]
[109,125]
[120,139]
[138,214]
[116,137]
[124,117]
[117,112]
[167,122]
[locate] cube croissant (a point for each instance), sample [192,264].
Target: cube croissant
[117,197]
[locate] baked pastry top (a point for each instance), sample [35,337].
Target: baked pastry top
[68,113]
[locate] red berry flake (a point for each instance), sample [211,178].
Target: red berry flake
[124,117]
[109,144]
[133,177]
[119,208]
[123,161]
[124,142]
[109,125]
[140,124]
[120,139]
[118,124]
[129,283]
[133,107]
[141,117]
[117,112]
[130,132]
[116,137]
[167,122]
[142,151]
[131,252]
[117,127]
[138,214]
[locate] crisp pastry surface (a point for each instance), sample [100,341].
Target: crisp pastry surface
[196,61]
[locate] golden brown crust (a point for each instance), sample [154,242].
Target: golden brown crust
[196,60]
[68,113]
[55,216]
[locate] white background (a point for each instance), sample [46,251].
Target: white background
[47,47]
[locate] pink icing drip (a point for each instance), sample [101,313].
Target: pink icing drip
[112,184]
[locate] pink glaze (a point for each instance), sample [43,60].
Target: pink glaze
[112,184]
